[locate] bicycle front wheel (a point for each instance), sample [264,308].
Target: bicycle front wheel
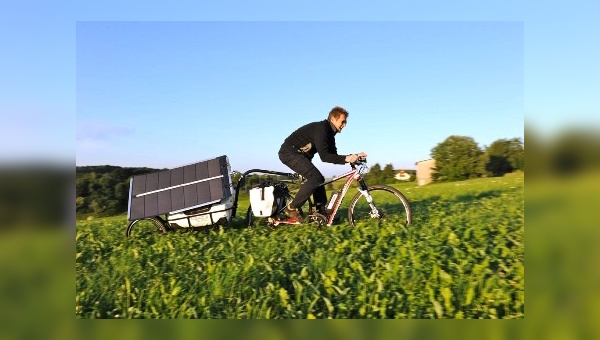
[382,204]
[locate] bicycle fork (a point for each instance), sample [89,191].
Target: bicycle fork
[364,190]
[374,212]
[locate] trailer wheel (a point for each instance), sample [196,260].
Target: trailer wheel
[146,226]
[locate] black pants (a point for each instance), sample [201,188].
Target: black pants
[301,164]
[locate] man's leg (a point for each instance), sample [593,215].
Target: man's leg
[320,197]
[313,179]
[303,166]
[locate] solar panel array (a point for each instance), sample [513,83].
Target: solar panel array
[180,188]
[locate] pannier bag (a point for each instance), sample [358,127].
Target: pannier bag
[268,198]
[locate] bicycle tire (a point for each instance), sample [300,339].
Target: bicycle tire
[146,226]
[391,204]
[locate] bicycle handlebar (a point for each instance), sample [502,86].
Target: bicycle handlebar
[359,161]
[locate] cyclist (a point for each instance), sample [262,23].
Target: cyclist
[298,150]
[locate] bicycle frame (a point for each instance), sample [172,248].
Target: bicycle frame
[352,175]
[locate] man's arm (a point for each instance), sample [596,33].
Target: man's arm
[325,144]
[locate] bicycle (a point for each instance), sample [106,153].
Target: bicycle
[381,203]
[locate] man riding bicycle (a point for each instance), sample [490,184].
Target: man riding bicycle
[298,150]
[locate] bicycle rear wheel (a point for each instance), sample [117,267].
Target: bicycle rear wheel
[389,207]
[146,226]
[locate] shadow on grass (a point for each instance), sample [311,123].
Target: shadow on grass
[470,197]
[423,206]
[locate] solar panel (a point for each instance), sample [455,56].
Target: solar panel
[179,189]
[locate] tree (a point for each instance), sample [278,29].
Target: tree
[457,158]
[79,203]
[104,190]
[504,156]
[235,176]
[82,186]
[375,174]
[388,174]
[121,197]
[574,150]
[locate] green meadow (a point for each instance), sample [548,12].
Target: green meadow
[461,258]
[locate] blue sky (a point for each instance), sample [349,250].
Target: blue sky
[81,87]
[163,94]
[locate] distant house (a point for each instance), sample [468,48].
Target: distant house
[424,171]
[404,175]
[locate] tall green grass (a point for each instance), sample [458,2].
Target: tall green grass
[463,257]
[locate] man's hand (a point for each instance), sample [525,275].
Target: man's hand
[354,157]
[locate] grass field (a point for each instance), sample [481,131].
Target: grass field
[463,257]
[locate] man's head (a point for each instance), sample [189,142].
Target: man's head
[337,117]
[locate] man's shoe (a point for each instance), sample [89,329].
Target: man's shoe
[294,214]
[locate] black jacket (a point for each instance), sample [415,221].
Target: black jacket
[312,138]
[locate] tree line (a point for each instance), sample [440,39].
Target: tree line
[104,190]
[387,175]
[460,158]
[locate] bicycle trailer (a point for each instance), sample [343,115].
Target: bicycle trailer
[193,195]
